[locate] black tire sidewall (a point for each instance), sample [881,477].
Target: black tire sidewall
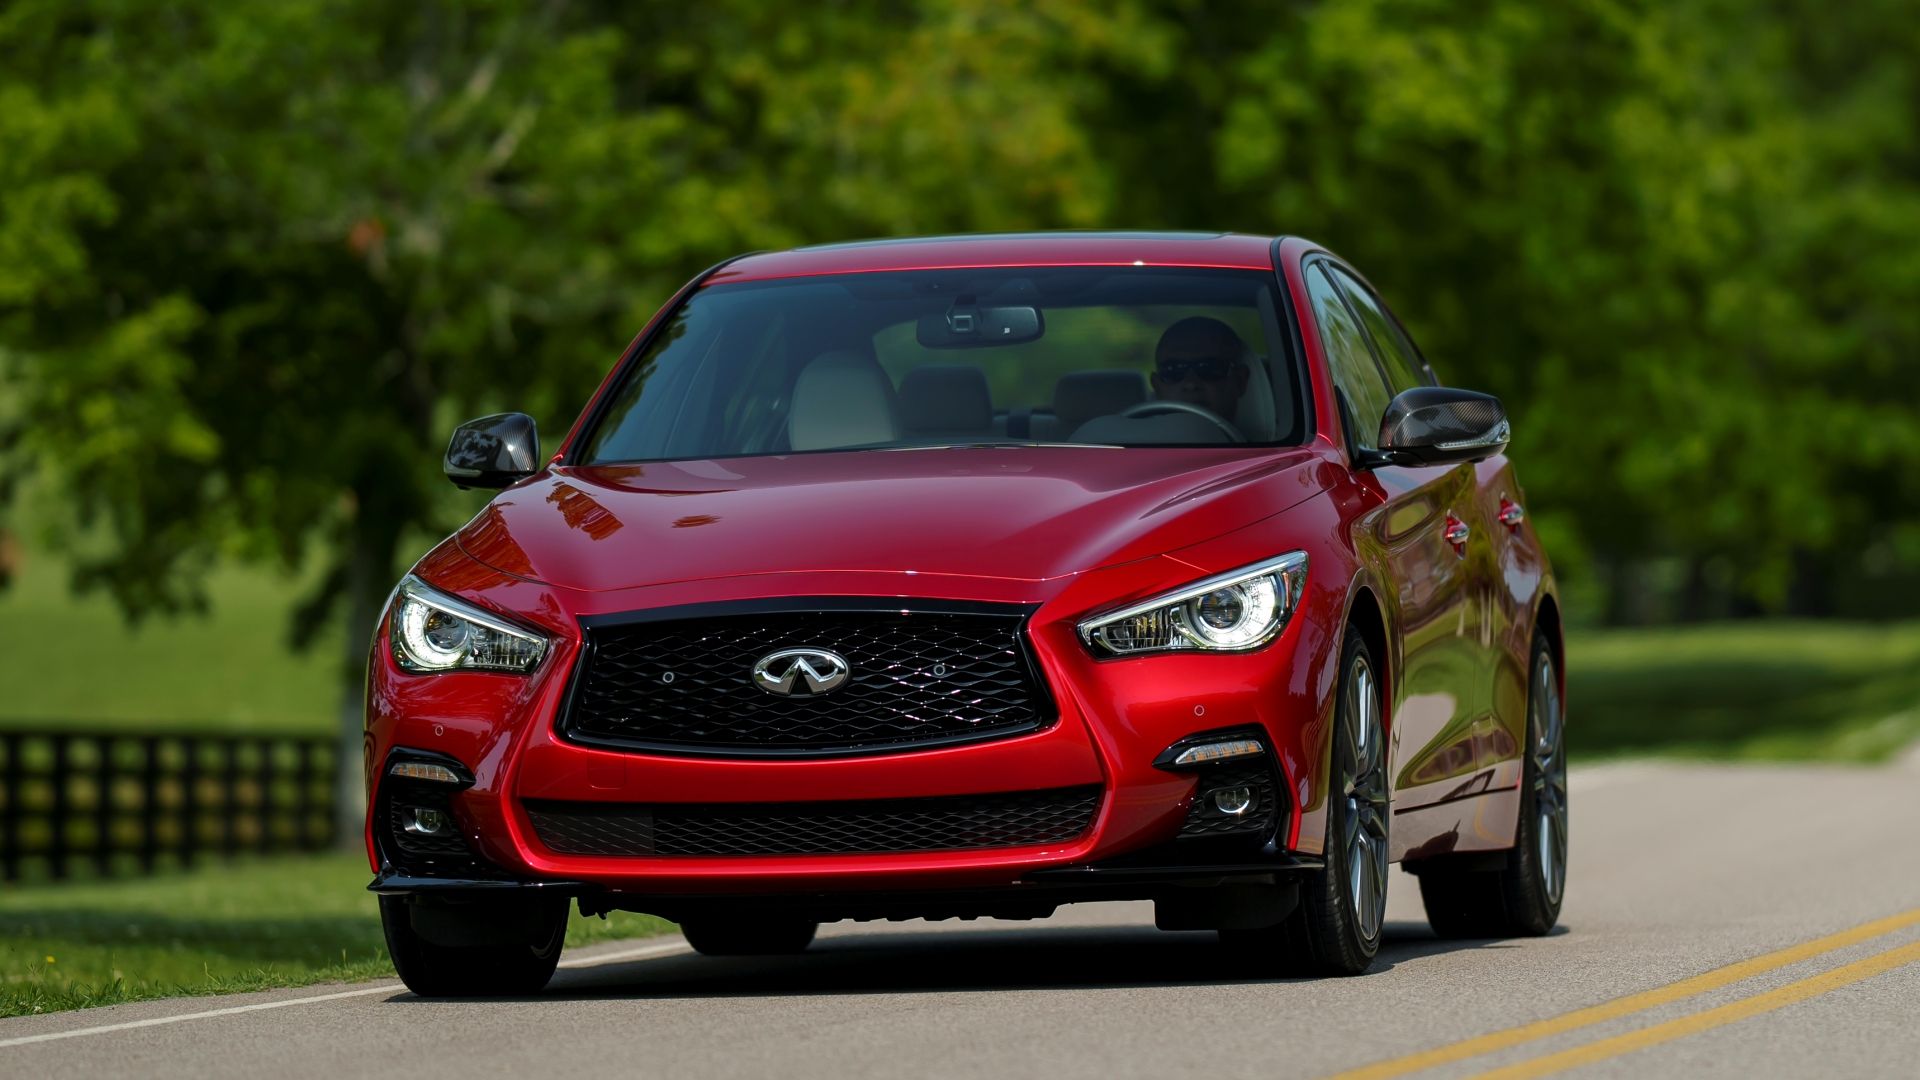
[1527,902]
[468,971]
[1324,934]
[1354,646]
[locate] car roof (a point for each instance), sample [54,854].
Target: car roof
[1234,251]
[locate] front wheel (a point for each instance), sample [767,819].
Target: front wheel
[1523,899]
[1336,929]
[422,946]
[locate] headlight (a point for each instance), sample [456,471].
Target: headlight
[432,631]
[1234,612]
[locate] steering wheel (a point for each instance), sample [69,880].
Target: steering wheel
[1151,408]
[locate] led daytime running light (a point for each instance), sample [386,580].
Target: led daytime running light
[422,770]
[434,632]
[1233,612]
[1219,751]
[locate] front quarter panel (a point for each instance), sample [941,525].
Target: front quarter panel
[1286,687]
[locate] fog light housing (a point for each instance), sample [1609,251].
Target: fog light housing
[425,821]
[417,831]
[1233,801]
[1236,791]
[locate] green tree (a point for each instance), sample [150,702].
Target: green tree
[257,257]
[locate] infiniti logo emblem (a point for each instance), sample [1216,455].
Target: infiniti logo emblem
[800,672]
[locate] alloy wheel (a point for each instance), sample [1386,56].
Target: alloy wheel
[1365,788]
[1549,776]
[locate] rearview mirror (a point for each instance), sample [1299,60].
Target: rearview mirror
[493,451]
[966,325]
[1442,425]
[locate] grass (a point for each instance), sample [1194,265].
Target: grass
[244,926]
[73,661]
[1754,691]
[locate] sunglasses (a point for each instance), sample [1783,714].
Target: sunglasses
[1180,370]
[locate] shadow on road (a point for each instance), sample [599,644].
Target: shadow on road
[988,958]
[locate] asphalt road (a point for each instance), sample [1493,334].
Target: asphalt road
[1677,873]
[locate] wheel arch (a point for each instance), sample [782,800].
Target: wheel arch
[1360,606]
[1546,620]
[1366,614]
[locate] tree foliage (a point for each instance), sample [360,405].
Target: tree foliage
[255,257]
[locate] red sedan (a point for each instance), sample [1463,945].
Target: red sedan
[968,577]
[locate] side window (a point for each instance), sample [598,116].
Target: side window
[1404,367]
[1363,392]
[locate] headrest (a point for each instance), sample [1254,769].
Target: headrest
[1083,395]
[1256,415]
[841,399]
[946,398]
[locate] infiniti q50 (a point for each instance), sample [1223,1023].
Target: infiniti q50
[969,577]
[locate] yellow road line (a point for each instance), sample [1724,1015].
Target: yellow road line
[1814,986]
[1632,1003]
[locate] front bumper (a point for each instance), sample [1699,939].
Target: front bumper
[1114,719]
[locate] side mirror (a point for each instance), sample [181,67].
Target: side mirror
[1442,425]
[493,451]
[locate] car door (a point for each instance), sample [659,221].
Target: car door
[1472,753]
[1432,601]
[1503,564]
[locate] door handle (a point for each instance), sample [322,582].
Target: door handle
[1512,514]
[1456,532]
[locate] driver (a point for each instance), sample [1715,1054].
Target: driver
[1201,361]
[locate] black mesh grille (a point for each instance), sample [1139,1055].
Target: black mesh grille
[821,828]
[915,678]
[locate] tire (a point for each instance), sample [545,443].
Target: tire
[748,936]
[1523,899]
[501,970]
[1336,928]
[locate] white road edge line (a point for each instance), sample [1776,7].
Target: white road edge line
[22,1040]
[383,988]
[662,949]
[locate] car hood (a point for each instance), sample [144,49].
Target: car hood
[1020,513]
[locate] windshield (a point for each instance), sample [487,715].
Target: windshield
[1114,356]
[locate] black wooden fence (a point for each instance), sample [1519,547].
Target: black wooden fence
[119,803]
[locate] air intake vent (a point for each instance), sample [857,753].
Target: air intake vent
[953,823]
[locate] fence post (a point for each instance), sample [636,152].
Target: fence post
[230,797]
[14,779]
[57,819]
[329,804]
[103,776]
[304,798]
[189,801]
[269,810]
[150,804]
